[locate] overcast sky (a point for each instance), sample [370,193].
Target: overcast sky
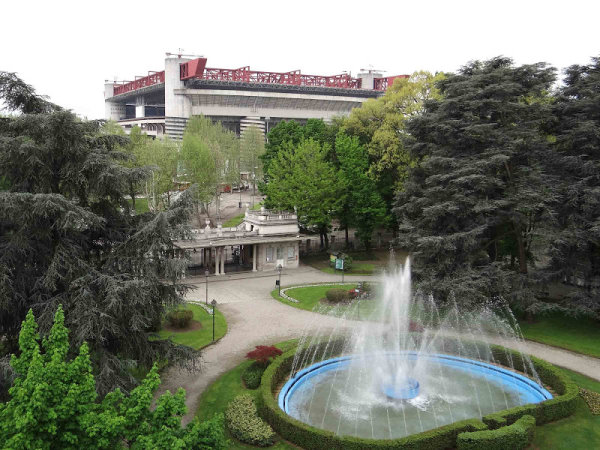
[67,49]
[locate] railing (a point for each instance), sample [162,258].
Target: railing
[151,79]
[266,215]
[381,84]
[196,69]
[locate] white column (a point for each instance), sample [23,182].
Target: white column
[140,106]
[223,256]
[254,257]
[217,265]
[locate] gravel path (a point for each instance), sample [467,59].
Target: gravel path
[255,318]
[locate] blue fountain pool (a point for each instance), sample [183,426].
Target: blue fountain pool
[344,395]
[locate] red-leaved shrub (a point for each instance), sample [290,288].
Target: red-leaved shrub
[262,354]
[415,327]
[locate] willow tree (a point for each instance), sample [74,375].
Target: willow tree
[66,237]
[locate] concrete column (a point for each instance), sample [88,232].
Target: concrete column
[140,106]
[223,255]
[217,262]
[254,257]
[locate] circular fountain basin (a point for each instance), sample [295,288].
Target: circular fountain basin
[335,395]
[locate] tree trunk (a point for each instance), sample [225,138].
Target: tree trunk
[321,237]
[346,236]
[521,249]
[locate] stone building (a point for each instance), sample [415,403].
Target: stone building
[263,241]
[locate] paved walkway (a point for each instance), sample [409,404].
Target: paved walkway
[255,318]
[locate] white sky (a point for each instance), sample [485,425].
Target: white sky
[66,49]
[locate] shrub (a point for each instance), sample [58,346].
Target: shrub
[337,295]
[252,375]
[262,354]
[245,425]
[513,437]
[180,318]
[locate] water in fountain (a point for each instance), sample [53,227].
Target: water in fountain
[409,367]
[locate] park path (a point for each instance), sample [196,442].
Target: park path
[255,318]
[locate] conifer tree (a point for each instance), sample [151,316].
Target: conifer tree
[67,237]
[471,209]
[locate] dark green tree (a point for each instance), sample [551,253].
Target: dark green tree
[67,237]
[361,205]
[471,208]
[575,251]
[53,404]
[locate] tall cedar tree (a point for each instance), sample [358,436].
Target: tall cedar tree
[575,253]
[470,210]
[67,237]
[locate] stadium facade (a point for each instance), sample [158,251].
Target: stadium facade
[162,101]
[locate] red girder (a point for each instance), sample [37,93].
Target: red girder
[245,75]
[197,69]
[381,84]
[149,80]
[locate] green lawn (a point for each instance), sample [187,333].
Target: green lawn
[203,336]
[141,205]
[578,335]
[215,399]
[581,431]
[235,221]
[309,296]
[362,263]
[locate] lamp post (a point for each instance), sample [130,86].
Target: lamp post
[213,303]
[279,280]
[206,297]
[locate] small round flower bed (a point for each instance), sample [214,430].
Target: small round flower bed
[562,405]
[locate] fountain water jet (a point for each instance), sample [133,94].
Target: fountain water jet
[410,367]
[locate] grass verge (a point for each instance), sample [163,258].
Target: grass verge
[203,336]
[578,335]
[216,397]
[581,431]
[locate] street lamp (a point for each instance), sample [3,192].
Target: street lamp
[206,297]
[213,303]
[279,280]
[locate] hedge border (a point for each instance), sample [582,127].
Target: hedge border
[562,405]
[512,437]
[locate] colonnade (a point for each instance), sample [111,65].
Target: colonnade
[218,257]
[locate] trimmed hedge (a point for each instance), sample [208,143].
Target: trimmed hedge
[252,375]
[337,295]
[314,438]
[180,318]
[562,405]
[245,425]
[513,437]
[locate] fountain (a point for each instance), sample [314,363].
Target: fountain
[408,368]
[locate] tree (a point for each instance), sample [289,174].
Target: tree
[161,156]
[66,237]
[133,150]
[479,194]
[53,403]
[362,206]
[302,178]
[288,134]
[575,251]
[380,125]
[210,155]
[252,148]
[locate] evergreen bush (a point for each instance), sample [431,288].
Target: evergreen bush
[180,318]
[244,423]
[252,375]
[337,295]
